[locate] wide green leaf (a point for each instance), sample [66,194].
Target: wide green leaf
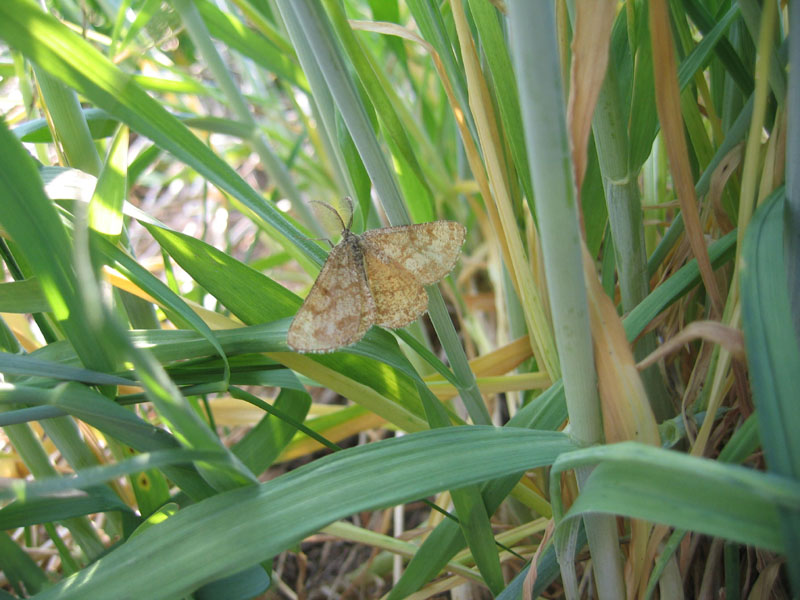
[251,524]
[662,486]
[772,353]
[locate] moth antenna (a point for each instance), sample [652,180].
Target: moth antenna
[349,201]
[335,212]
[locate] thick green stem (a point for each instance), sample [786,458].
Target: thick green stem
[625,218]
[536,59]
[792,231]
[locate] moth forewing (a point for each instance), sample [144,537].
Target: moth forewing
[427,250]
[399,297]
[339,309]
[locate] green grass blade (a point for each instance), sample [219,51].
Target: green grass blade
[676,286]
[375,88]
[724,49]
[663,486]
[792,189]
[103,125]
[323,44]
[243,585]
[179,312]
[643,119]
[477,529]
[92,476]
[33,223]
[251,296]
[65,112]
[173,558]
[431,24]
[772,354]
[150,9]
[71,59]
[105,209]
[111,419]
[735,135]
[772,351]
[547,413]
[262,445]
[66,506]
[19,567]
[24,296]
[11,364]
[495,50]
[235,35]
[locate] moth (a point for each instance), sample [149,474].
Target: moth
[376,278]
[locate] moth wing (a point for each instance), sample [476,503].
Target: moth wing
[399,297]
[339,309]
[426,250]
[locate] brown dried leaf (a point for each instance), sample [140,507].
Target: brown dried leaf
[590,47]
[729,338]
[672,131]
[626,410]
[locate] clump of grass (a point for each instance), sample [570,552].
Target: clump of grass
[611,365]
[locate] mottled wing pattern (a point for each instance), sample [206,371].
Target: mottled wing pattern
[427,250]
[399,297]
[339,309]
[377,277]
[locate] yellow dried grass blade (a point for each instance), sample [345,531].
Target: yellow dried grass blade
[710,331]
[748,200]
[496,385]
[361,394]
[669,115]
[303,446]
[626,410]
[590,48]
[542,340]
[497,362]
